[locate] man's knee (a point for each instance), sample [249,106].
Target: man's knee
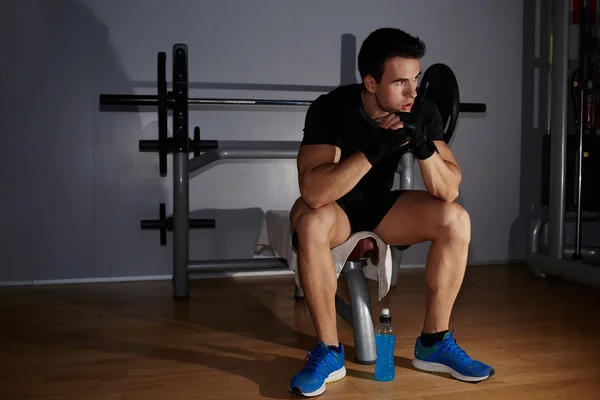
[298,210]
[456,221]
[327,224]
[315,225]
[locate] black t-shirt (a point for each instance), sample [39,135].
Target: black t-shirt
[338,118]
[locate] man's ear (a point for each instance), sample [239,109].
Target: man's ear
[370,83]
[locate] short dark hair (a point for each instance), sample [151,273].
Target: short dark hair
[383,44]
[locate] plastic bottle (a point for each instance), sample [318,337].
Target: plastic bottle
[385,341]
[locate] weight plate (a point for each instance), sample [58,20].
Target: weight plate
[439,85]
[162,112]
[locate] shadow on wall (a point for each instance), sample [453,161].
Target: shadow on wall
[128,186]
[75,205]
[236,231]
[347,75]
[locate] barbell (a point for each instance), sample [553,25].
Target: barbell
[164,223]
[438,85]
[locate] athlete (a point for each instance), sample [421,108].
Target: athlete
[354,137]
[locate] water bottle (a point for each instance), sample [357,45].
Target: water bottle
[385,340]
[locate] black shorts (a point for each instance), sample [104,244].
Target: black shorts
[366,211]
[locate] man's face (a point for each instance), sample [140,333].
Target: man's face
[398,87]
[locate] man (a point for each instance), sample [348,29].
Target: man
[353,139]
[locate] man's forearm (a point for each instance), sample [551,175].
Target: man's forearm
[326,183]
[441,178]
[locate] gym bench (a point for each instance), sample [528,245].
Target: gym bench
[358,311]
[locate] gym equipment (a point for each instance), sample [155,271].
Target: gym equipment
[444,95]
[554,261]
[164,224]
[438,84]
[357,312]
[151,100]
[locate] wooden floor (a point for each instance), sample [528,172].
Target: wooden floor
[244,339]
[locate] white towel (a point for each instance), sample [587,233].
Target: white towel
[276,233]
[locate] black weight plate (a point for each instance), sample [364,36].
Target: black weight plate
[162,112]
[439,85]
[162,211]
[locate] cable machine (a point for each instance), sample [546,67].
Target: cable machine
[570,153]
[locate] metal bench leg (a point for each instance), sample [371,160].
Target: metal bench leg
[358,313]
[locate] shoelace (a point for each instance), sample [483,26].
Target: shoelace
[457,353]
[316,359]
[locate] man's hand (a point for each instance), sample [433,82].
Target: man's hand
[392,122]
[421,146]
[387,141]
[441,175]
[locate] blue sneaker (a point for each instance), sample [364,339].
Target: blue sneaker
[446,357]
[323,366]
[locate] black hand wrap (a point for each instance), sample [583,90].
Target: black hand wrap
[421,146]
[386,142]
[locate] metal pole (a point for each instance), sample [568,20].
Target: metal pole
[578,272]
[407,174]
[558,148]
[579,153]
[472,107]
[587,93]
[180,173]
[228,150]
[358,313]
[236,265]
[152,100]
[250,102]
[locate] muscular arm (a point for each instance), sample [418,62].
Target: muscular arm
[323,178]
[441,174]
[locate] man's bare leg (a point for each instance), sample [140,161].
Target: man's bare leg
[417,217]
[319,230]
